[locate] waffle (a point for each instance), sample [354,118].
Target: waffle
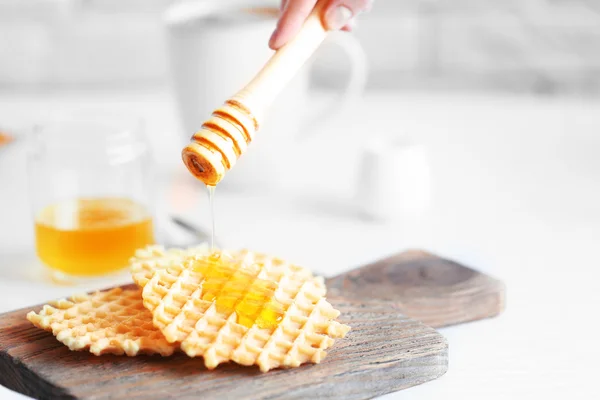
[176,296]
[151,258]
[111,322]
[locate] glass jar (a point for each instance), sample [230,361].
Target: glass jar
[90,184]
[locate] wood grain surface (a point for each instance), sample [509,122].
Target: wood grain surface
[433,290]
[384,352]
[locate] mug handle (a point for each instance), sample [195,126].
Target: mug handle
[353,89]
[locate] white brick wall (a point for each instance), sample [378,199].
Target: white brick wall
[526,45]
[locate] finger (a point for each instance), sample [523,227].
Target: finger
[340,12]
[290,22]
[283,4]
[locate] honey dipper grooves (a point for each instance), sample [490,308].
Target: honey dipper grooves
[221,140]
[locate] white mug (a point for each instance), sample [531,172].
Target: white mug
[215,48]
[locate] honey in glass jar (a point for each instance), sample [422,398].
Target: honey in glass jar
[91,191]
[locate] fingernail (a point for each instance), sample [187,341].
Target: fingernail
[338,17]
[272,39]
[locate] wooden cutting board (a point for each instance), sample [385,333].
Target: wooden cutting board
[384,352]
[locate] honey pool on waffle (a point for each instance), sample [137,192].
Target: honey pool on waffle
[237,289]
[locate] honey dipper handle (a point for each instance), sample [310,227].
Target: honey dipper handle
[258,95]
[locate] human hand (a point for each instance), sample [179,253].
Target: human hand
[339,14]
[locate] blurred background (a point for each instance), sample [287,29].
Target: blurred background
[538,46]
[469,128]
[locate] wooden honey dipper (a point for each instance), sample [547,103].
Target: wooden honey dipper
[224,137]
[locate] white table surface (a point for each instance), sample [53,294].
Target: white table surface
[516,194]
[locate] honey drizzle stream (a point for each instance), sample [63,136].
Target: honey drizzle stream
[235,287]
[211,199]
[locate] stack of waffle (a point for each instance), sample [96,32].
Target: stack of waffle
[180,305]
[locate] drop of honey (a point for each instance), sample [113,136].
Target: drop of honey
[235,287]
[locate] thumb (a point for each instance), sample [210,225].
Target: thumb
[340,12]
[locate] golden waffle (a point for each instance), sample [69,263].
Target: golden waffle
[111,322]
[177,297]
[151,258]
